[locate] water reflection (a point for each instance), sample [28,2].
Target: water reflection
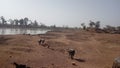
[13,31]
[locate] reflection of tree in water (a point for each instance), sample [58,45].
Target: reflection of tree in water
[17,31]
[23,31]
[34,31]
[3,30]
[11,31]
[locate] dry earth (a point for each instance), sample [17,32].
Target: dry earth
[93,50]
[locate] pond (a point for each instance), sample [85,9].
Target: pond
[14,31]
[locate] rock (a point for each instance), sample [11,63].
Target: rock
[73,63]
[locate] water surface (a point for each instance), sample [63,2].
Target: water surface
[14,31]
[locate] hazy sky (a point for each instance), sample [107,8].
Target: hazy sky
[63,12]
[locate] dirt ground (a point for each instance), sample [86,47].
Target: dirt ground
[93,50]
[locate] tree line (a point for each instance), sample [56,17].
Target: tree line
[27,23]
[23,22]
[95,26]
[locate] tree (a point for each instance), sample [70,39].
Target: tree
[83,25]
[35,23]
[11,22]
[26,21]
[16,21]
[42,25]
[3,20]
[97,25]
[21,21]
[30,23]
[53,26]
[111,28]
[91,24]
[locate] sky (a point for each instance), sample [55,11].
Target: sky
[63,12]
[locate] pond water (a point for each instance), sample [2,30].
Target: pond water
[13,31]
